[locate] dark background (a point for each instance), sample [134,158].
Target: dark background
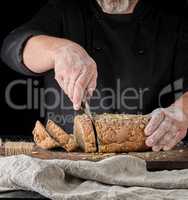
[13,14]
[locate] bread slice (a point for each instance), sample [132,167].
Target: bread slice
[67,141]
[84,133]
[42,138]
[117,133]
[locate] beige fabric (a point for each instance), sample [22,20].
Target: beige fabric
[119,177]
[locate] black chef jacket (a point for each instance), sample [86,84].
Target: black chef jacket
[138,55]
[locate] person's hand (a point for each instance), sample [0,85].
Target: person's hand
[75,72]
[166,128]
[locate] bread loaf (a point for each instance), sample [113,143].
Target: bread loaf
[121,133]
[116,133]
[111,133]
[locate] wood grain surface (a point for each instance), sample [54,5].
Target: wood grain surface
[168,160]
[164,160]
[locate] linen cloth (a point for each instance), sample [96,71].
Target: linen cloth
[119,177]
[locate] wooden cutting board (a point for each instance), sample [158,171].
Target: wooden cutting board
[169,160]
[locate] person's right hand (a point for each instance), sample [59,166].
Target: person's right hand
[75,72]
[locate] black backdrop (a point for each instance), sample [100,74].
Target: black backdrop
[12,122]
[14,13]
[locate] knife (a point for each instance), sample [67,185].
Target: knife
[85,107]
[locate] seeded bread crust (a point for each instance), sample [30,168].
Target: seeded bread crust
[42,138]
[67,141]
[84,133]
[117,133]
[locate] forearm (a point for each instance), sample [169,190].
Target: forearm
[182,103]
[39,52]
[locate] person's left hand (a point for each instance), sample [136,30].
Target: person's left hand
[167,127]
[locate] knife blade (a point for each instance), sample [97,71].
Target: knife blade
[85,107]
[87,110]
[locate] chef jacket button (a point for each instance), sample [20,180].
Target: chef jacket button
[141,51]
[98,17]
[97,49]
